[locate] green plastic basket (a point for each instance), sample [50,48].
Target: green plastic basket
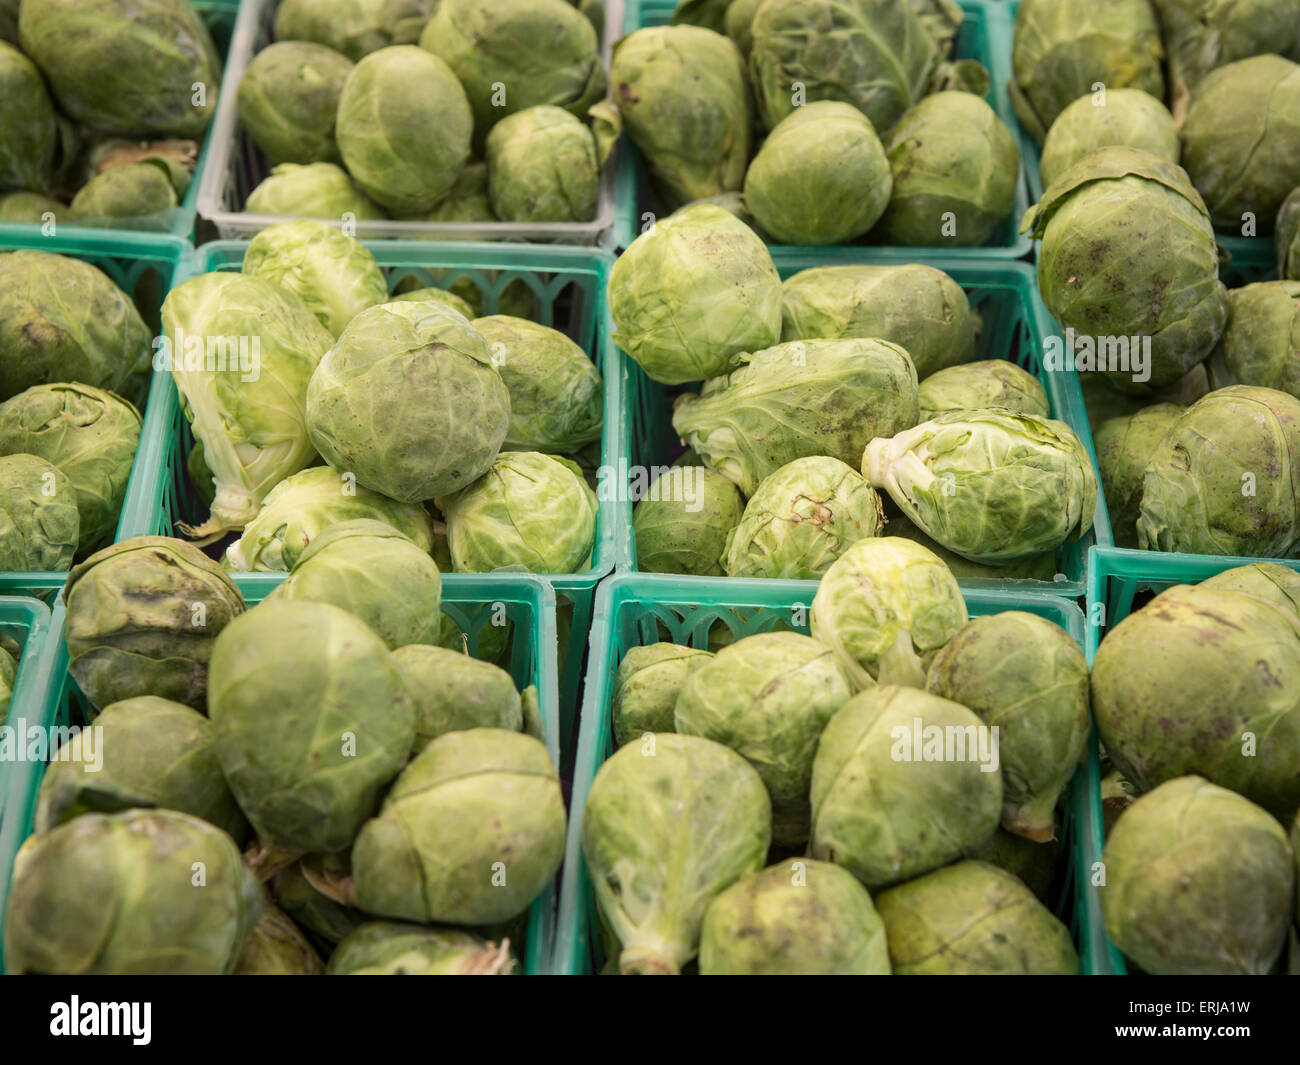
[1015,325]
[527,602]
[26,621]
[568,285]
[635,610]
[985,35]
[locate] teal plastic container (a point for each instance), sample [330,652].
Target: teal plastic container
[527,602]
[27,622]
[568,290]
[1014,325]
[635,610]
[985,35]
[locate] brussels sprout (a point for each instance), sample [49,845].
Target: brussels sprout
[955,168]
[318,190]
[353,27]
[403,127]
[454,692]
[147,752]
[797,918]
[886,607]
[391,948]
[542,167]
[312,720]
[129,67]
[1239,140]
[30,137]
[134,190]
[1261,345]
[1127,117]
[1034,568]
[357,565]
[973,918]
[439,295]
[682,94]
[1124,447]
[711,14]
[683,524]
[39,522]
[90,435]
[471,832]
[758,421]
[768,697]
[903,782]
[980,385]
[1032,863]
[245,390]
[142,616]
[528,510]
[63,320]
[693,291]
[738,23]
[1026,677]
[919,308]
[646,687]
[288,99]
[30,207]
[1231,658]
[556,394]
[666,829]
[1062,49]
[800,519]
[1198,881]
[1194,489]
[323,917]
[8,678]
[466,201]
[1287,233]
[276,947]
[115,894]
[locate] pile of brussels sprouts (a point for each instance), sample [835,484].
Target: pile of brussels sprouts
[395,806]
[102,107]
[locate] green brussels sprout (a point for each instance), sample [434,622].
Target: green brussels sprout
[90,435]
[62,319]
[1032,863]
[738,23]
[409,401]
[276,947]
[973,919]
[1097,279]
[30,138]
[245,389]
[142,617]
[1026,677]
[133,190]
[670,823]
[796,918]
[681,91]
[466,201]
[438,295]
[821,176]
[471,832]
[302,507]
[317,190]
[800,519]
[312,720]
[542,167]
[980,385]
[903,782]
[39,521]
[392,948]
[684,522]
[1124,447]
[1034,568]
[129,67]
[288,99]
[1287,234]
[353,27]
[711,14]
[758,421]
[768,697]
[8,678]
[1198,881]
[885,607]
[31,207]
[1239,140]
[919,308]
[454,692]
[556,393]
[1221,481]
[877,55]
[403,127]
[1061,49]
[646,687]
[955,168]
[115,894]
[357,565]
[148,753]
[1127,117]
[541,51]
[1231,657]
[1261,345]
[325,919]
[528,510]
